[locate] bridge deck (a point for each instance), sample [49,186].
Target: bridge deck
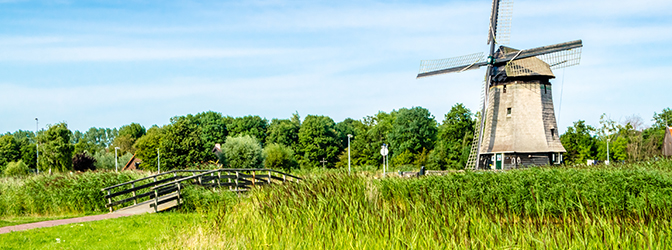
[146,206]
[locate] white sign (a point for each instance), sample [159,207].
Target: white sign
[384,151]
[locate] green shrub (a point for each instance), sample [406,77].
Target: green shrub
[243,152]
[17,168]
[279,157]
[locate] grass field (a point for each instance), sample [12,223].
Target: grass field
[149,231]
[622,206]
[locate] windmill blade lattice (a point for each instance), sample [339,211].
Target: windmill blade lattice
[542,64]
[467,61]
[504,16]
[562,59]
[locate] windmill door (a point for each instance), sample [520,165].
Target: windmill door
[499,159]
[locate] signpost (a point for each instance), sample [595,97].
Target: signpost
[384,151]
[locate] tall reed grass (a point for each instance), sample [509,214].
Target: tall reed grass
[58,194]
[626,206]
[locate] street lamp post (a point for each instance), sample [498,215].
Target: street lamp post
[116,162]
[349,136]
[608,150]
[37,147]
[158,161]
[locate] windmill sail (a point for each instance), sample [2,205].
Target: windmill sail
[450,65]
[503,10]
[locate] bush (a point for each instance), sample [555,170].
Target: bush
[279,157]
[243,152]
[105,160]
[83,161]
[17,169]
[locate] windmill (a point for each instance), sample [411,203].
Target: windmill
[517,125]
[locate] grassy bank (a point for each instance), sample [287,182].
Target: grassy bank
[58,194]
[625,206]
[148,231]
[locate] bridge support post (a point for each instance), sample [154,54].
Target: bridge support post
[254,178]
[237,176]
[135,200]
[269,177]
[156,200]
[179,188]
[109,201]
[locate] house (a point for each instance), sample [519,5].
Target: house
[667,142]
[132,164]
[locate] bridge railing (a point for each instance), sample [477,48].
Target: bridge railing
[156,186]
[139,190]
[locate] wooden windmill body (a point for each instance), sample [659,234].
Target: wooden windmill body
[519,126]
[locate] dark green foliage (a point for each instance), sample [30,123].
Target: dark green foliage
[413,130]
[56,149]
[243,151]
[182,145]
[254,126]
[280,157]
[213,128]
[133,130]
[10,150]
[147,147]
[454,140]
[58,194]
[284,131]
[579,143]
[83,162]
[318,140]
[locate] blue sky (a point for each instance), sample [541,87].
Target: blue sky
[110,63]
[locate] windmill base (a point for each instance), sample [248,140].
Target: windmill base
[503,161]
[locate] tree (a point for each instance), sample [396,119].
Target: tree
[213,128]
[182,145]
[413,130]
[318,140]
[284,131]
[133,130]
[454,139]
[83,162]
[127,136]
[147,147]
[243,152]
[278,156]
[248,125]
[664,119]
[579,143]
[10,150]
[55,148]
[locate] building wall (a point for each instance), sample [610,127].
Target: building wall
[667,142]
[531,125]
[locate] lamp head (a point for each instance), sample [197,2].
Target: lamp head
[349,136]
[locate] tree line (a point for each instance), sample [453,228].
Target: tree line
[414,137]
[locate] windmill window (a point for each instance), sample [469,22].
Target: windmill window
[552,133]
[545,89]
[504,89]
[508,111]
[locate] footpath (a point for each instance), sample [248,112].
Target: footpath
[51,223]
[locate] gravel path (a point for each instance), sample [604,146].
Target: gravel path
[52,223]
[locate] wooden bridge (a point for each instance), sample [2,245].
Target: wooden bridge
[163,191]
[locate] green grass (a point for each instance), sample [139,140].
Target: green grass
[135,232]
